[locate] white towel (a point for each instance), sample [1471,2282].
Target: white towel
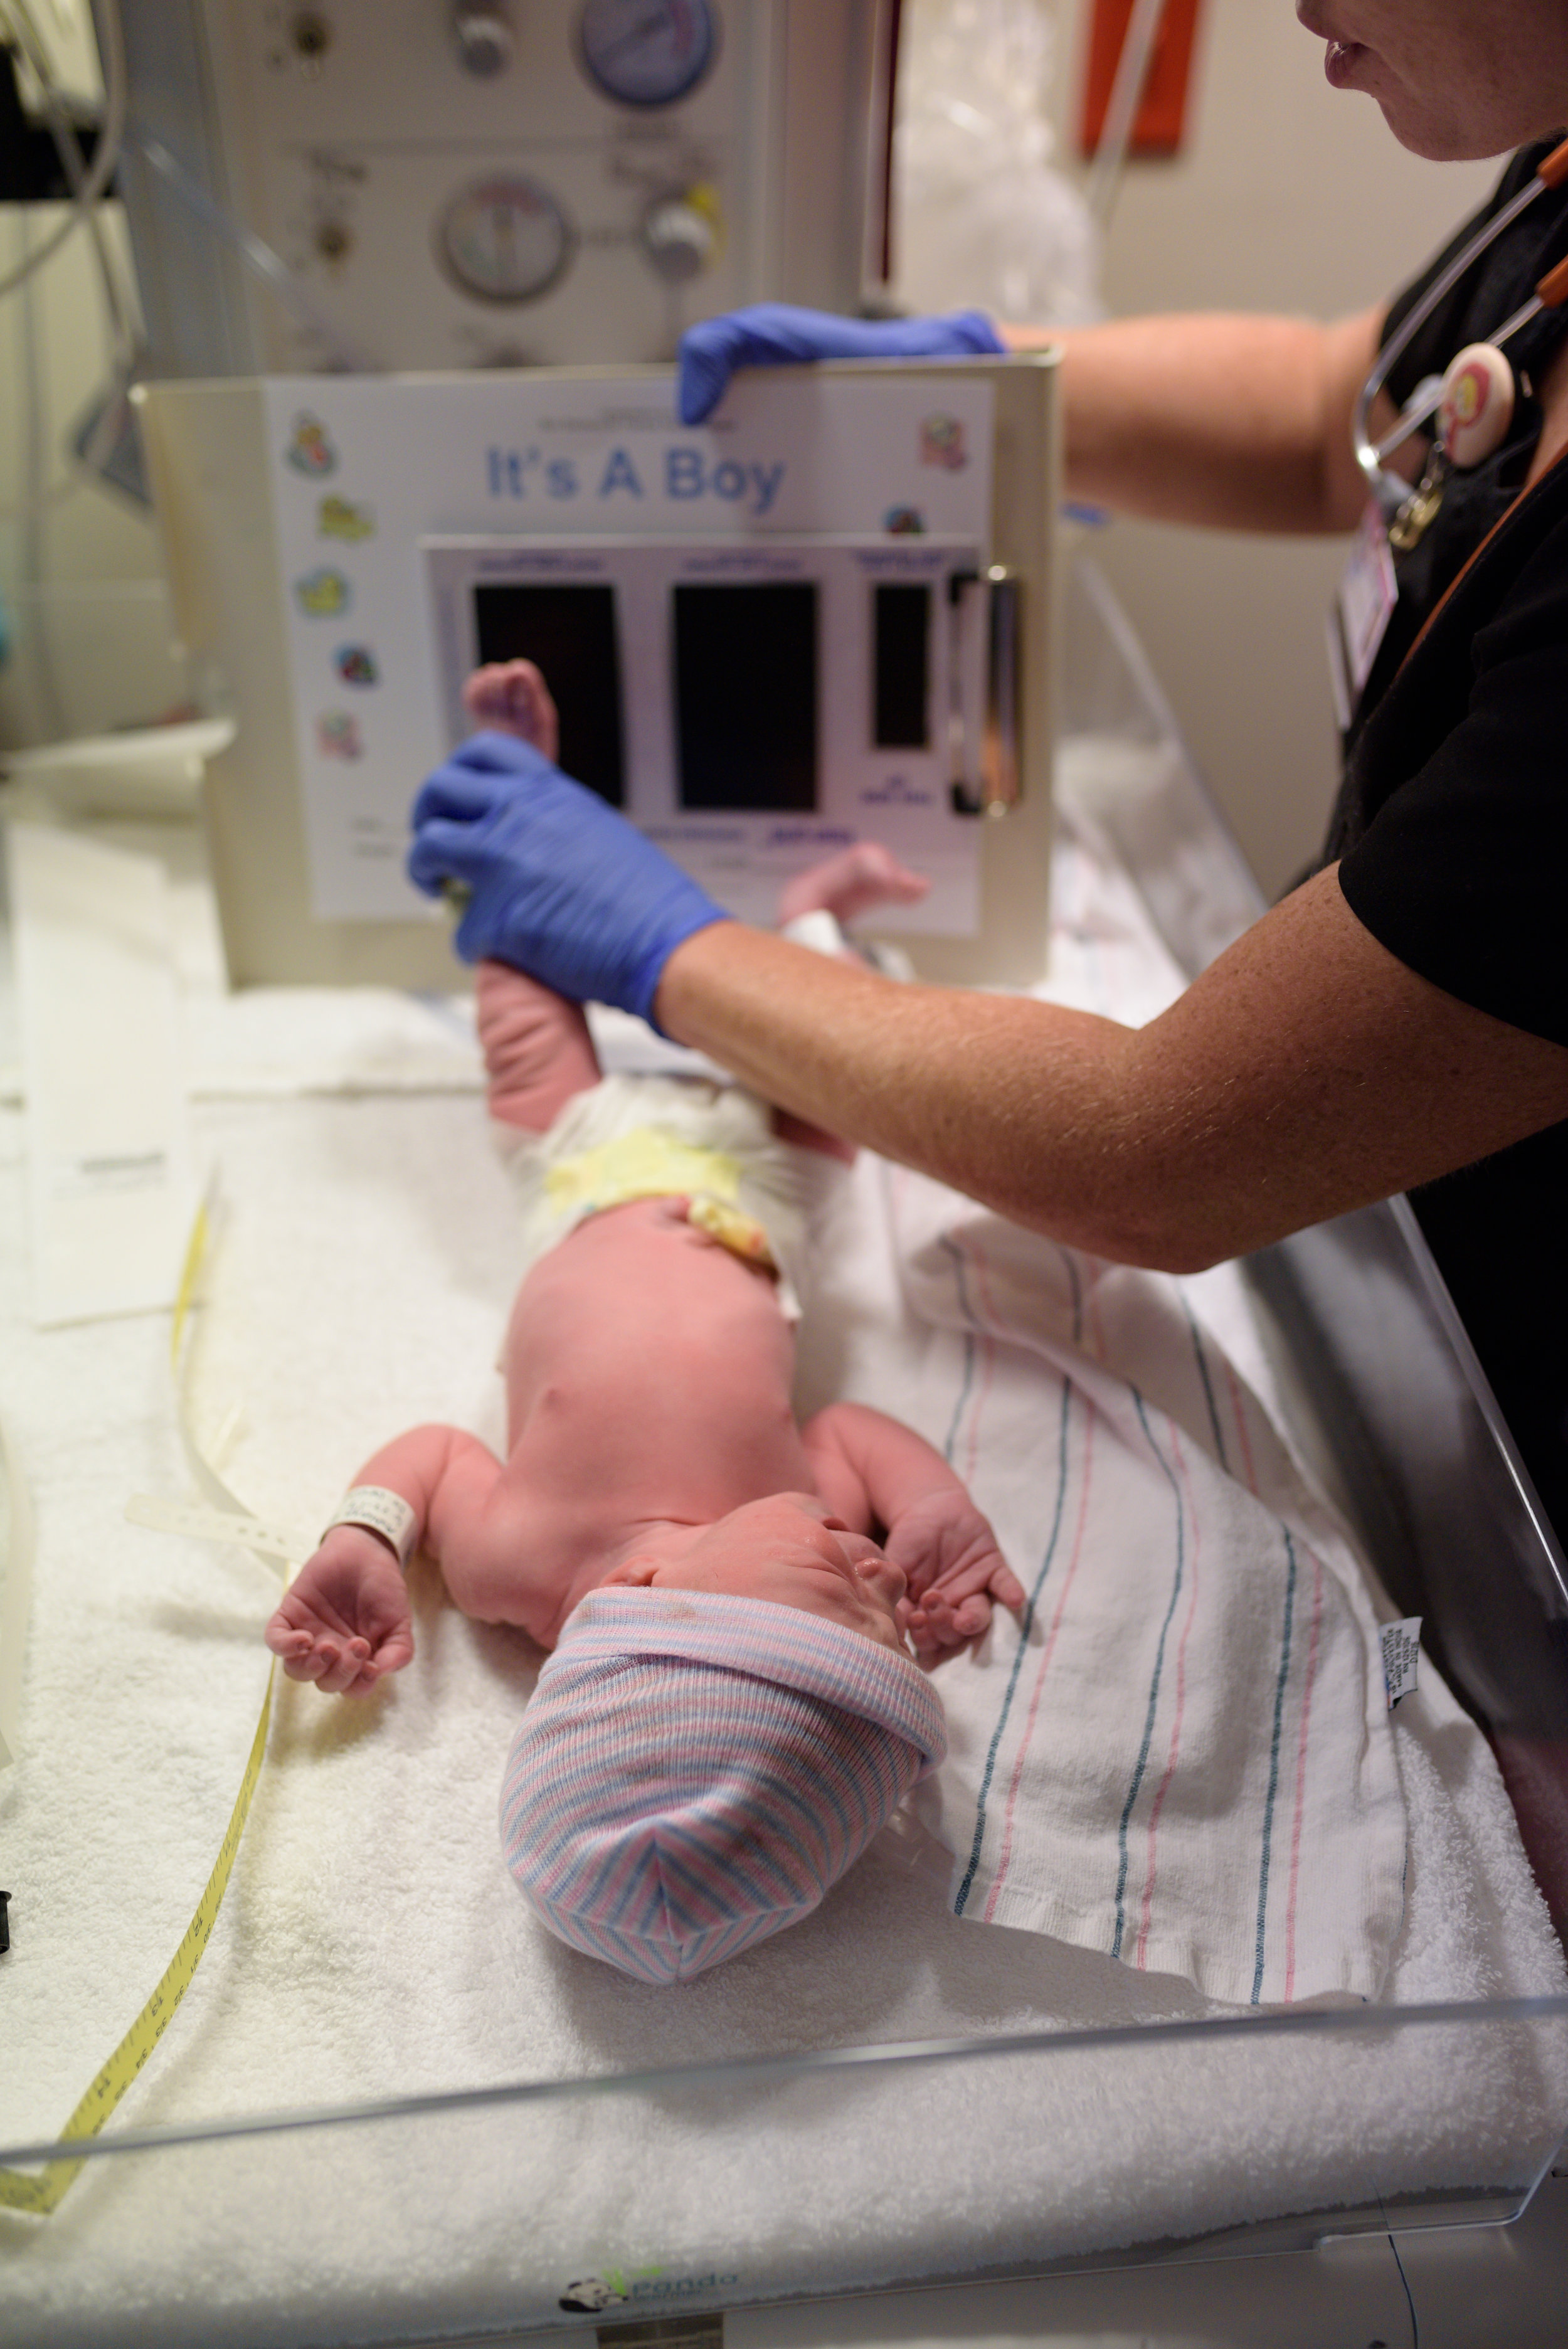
[371,1943]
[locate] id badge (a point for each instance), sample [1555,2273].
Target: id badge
[1361,612]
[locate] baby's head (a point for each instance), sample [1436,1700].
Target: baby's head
[696,1768]
[789,1548]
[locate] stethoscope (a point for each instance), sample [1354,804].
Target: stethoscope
[1474,400]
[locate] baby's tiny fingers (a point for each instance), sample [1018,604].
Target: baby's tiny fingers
[340,1676]
[1006,1587]
[307,1665]
[319,1665]
[284,1641]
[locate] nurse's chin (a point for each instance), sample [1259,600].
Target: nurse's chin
[1438,133]
[1449,143]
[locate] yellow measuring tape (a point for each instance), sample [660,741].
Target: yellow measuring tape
[40,2191]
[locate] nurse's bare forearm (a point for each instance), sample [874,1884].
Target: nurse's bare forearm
[1018,1104]
[1233,421]
[1307,1071]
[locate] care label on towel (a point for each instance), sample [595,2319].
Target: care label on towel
[1401,1654]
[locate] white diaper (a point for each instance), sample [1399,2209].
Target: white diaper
[636,1138]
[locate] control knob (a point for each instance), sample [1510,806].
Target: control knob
[483,36]
[681,234]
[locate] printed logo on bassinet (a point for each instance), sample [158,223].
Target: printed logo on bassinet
[647,2290]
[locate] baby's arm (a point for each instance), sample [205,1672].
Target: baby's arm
[344,1620]
[873,1471]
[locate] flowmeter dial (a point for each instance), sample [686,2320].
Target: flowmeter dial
[505,240]
[646,52]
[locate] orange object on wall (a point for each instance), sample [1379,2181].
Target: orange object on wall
[1161,113]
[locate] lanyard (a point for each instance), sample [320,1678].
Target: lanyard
[1455,403]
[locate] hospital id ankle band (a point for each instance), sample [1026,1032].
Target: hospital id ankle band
[380,1511]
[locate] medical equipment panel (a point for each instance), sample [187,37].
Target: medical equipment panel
[418,183]
[826,616]
[748,707]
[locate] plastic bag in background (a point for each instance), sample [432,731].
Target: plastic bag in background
[982,218]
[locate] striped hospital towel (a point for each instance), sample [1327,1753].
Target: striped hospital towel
[1183,1755]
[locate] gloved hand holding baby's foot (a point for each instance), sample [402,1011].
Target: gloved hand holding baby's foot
[344,1622]
[956,1573]
[560,885]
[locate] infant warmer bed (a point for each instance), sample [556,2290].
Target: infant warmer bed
[389,2108]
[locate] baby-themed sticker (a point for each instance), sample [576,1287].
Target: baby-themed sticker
[356,665]
[310,448]
[590,2293]
[341,518]
[338,736]
[943,442]
[323,594]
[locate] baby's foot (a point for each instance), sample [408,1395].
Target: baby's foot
[511,698]
[851,882]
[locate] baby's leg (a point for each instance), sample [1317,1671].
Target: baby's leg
[511,698]
[537,1050]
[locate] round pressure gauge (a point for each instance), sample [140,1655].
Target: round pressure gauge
[504,239]
[646,52]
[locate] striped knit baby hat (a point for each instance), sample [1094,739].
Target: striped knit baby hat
[694,1771]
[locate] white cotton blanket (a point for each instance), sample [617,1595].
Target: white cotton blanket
[371,1943]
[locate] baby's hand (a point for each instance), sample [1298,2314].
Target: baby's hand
[344,1618]
[954,1568]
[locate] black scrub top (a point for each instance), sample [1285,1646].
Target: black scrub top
[1451,824]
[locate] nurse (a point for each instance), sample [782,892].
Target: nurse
[1400,1022]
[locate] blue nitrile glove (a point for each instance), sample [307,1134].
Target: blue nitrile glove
[561,886]
[774,334]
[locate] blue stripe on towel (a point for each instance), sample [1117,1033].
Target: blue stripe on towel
[1203,1373]
[1273,1759]
[1024,1627]
[1154,1684]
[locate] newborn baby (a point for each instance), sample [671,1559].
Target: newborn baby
[730,1711]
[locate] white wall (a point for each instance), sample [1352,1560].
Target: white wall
[1290,196]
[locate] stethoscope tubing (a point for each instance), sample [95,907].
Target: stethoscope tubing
[1388,488]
